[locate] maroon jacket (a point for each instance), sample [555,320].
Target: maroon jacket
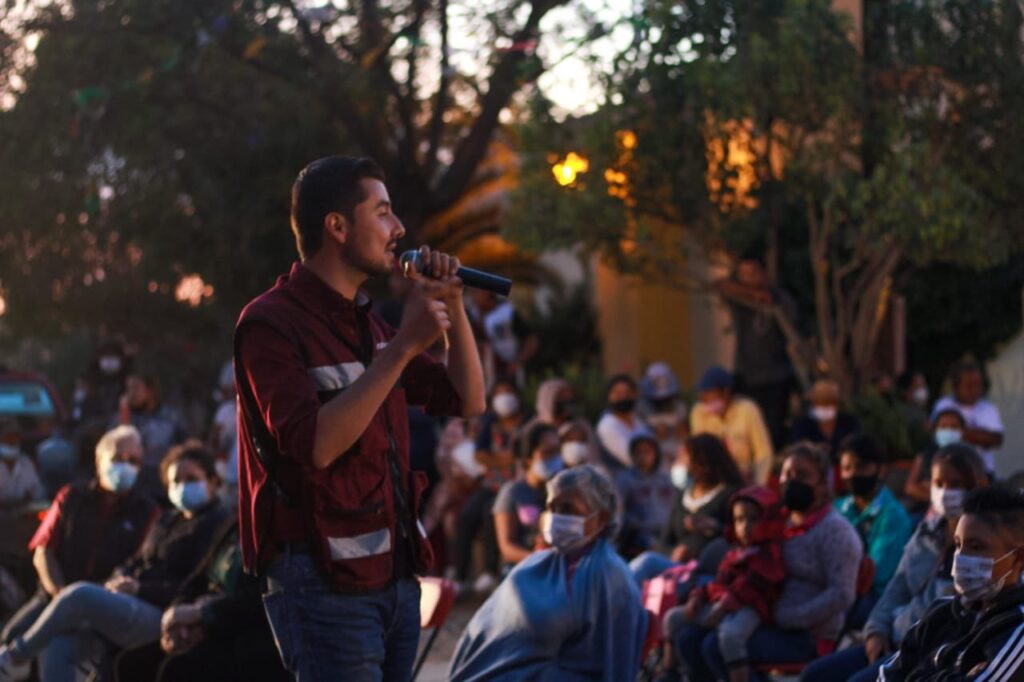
[752,576]
[300,344]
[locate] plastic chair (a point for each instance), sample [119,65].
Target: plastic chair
[437,596]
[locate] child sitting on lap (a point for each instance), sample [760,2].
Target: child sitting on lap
[748,582]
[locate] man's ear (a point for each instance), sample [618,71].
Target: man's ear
[336,226]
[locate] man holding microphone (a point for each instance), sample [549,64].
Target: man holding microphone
[328,504]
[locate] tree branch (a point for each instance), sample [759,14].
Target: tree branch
[502,84]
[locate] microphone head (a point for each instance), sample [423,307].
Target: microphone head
[410,260]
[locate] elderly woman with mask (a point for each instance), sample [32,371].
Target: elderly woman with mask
[571,612]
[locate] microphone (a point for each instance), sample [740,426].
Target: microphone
[478,279]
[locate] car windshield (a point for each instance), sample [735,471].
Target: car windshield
[18,399]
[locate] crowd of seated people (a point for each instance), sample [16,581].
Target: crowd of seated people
[802,557]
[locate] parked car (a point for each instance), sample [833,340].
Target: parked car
[33,401]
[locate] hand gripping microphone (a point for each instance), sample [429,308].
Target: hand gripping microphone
[478,279]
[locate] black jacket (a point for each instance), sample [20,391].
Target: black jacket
[952,643]
[171,552]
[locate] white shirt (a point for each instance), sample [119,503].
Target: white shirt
[981,415]
[19,481]
[615,434]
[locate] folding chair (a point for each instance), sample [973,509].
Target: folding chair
[437,596]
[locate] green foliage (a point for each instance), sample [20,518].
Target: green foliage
[862,163]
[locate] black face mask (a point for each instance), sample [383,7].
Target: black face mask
[862,486]
[564,409]
[797,496]
[622,406]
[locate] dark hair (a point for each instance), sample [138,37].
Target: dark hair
[537,432]
[619,379]
[328,185]
[710,453]
[507,382]
[810,452]
[753,257]
[905,380]
[997,506]
[644,437]
[951,411]
[862,446]
[193,451]
[957,372]
[966,461]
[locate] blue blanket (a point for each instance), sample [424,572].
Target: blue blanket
[538,627]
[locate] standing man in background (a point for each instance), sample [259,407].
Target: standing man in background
[762,365]
[328,503]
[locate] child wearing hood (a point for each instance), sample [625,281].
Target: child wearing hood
[748,582]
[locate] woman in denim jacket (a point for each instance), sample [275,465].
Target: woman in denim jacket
[923,574]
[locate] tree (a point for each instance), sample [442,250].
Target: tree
[148,145]
[763,124]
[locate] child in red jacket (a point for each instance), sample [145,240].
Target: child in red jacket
[748,582]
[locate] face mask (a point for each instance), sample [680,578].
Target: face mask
[973,579]
[505,404]
[920,396]
[564,532]
[944,437]
[9,451]
[715,406]
[622,406]
[546,467]
[797,496]
[575,453]
[564,409]
[948,502]
[824,414]
[110,364]
[862,486]
[119,477]
[680,476]
[188,496]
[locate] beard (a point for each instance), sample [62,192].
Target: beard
[371,267]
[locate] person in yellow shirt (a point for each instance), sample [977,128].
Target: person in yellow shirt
[736,420]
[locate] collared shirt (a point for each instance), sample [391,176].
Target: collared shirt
[885,528]
[296,349]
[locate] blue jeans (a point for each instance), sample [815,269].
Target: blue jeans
[698,646]
[649,565]
[849,665]
[79,623]
[325,635]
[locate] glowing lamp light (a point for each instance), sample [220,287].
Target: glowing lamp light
[192,290]
[567,171]
[3,305]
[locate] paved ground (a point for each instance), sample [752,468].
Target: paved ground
[437,662]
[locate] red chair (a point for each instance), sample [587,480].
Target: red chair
[437,596]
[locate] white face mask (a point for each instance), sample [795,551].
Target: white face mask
[564,532]
[505,404]
[824,413]
[575,453]
[920,395]
[110,364]
[973,579]
[948,502]
[680,476]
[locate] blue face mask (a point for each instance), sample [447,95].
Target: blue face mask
[120,476]
[547,468]
[188,496]
[944,437]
